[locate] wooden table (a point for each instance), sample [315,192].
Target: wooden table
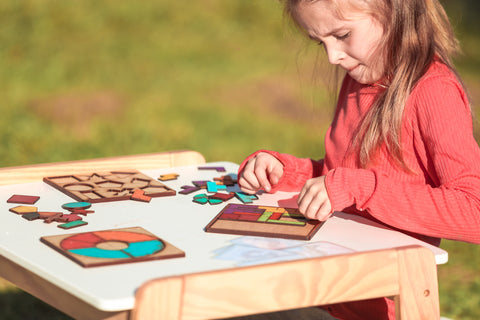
[366,261]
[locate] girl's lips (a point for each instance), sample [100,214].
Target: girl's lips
[351,69]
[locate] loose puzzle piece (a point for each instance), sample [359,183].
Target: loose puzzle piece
[275,222]
[203,199]
[223,196]
[76,206]
[83,212]
[31,216]
[139,195]
[213,187]
[23,199]
[168,177]
[200,198]
[218,169]
[227,180]
[108,247]
[200,183]
[245,197]
[23,209]
[68,218]
[108,186]
[189,189]
[71,220]
[72,224]
[53,217]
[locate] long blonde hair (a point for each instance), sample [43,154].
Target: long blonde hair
[416,33]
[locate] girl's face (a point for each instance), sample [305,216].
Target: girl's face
[351,41]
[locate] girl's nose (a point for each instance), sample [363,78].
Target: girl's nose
[335,56]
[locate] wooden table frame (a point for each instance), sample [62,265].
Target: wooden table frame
[407,273]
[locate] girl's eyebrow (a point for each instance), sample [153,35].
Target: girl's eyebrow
[332,32]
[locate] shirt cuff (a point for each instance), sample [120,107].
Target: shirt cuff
[347,187]
[295,171]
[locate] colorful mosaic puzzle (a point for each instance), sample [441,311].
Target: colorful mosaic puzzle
[107,247]
[109,186]
[277,222]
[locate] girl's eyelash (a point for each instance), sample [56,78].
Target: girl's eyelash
[343,37]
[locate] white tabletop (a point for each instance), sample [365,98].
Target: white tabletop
[181,222]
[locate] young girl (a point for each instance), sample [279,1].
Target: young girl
[400,149]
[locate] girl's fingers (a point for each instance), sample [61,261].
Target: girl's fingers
[261,172]
[246,187]
[313,201]
[275,174]
[318,212]
[248,178]
[248,183]
[262,178]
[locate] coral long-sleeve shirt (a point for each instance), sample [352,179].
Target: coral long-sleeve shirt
[440,199]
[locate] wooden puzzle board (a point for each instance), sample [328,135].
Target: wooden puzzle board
[266,221]
[108,186]
[108,247]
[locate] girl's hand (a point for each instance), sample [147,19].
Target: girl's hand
[261,172]
[313,201]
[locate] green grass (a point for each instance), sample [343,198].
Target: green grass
[88,79]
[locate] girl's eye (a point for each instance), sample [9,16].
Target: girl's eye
[343,37]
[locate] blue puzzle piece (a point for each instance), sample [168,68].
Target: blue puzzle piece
[200,198]
[245,197]
[213,187]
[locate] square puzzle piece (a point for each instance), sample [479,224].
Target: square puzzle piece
[115,246]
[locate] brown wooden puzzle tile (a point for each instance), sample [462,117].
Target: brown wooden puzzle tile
[108,247]
[108,186]
[226,180]
[31,216]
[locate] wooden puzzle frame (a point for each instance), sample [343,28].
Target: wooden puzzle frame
[266,221]
[108,186]
[114,246]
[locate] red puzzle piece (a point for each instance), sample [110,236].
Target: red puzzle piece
[19,198]
[139,195]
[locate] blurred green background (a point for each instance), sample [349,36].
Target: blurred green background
[88,79]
